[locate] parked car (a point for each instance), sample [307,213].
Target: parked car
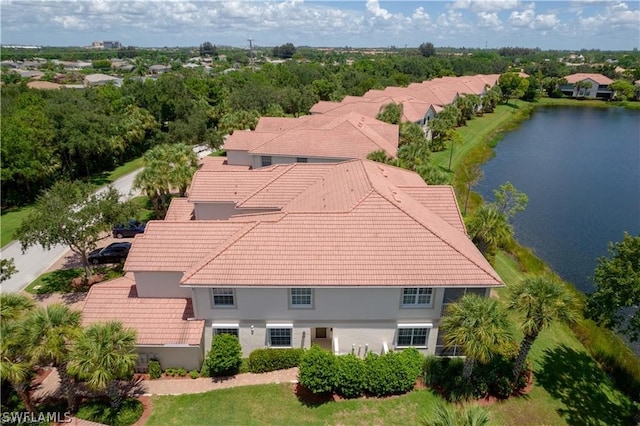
[128,230]
[113,253]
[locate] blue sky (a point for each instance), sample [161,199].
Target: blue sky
[572,25]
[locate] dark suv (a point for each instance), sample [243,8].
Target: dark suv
[113,253]
[128,230]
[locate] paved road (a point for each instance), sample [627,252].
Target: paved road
[36,259]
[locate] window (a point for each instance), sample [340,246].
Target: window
[232,331]
[301,297]
[453,294]
[442,350]
[416,296]
[223,297]
[414,336]
[266,160]
[279,337]
[301,160]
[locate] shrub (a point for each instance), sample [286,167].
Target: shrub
[264,360]
[432,372]
[155,371]
[414,361]
[317,370]
[194,374]
[101,412]
[225,356]
[181,372]
[204,370]
[389,374]
[349,376]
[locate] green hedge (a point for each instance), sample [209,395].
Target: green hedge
[264,360]
[155,370]
[318,370]
[225,356]
[349,376]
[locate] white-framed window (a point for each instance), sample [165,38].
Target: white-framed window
[416,297]
[232,328]
[412,336]
[454,294]
[280,335]
[301,298]
[265,160]
[223,297]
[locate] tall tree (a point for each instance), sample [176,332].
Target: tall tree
[104,354]
[512,85]
[541,300]
[471,175]
[489,229]
[49,333]
[617,297]
[71,213]
[427,49]
[391,113]
[478,326]
[509,200]
[7,269]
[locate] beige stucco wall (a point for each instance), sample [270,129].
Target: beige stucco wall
[221,211]
[238,158]
[256,160]
[350,304]
[188,357]
[160,284]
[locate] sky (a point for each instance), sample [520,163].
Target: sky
[566,25]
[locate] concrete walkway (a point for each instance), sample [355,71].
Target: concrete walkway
[171,386]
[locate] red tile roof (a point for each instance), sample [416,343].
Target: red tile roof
[355,223]
[157,321]
[598,78]
[219,163]
[180,209]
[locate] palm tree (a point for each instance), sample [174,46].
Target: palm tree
[14,362]
[103,354]
[447,415]
[478,326]
[542,301]
[140,66]
[489,229]
[48,334]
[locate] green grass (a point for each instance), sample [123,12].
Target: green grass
[277,404]
[144,208]
[54,282]
[106,178]
[10,222]
[101,411]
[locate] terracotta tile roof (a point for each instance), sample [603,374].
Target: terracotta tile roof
[345,136]
[230,186]
[279,124]
[358,224]
[176,246]
[219,163]
[598,78]
[157,321]
[45,85]
[179,210]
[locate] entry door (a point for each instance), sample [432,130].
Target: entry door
[321,333]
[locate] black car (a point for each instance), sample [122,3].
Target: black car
[128,230]
[113,253]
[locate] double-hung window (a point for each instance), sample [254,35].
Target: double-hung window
[301,297]
[416,335]
[413,297]
[223,298]
[280,335]
[226,328]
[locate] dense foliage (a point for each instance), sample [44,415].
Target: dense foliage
[269,359]
[155,370]
[318,370]
[225,356]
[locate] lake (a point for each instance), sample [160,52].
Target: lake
[580,168]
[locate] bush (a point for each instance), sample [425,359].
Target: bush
[349,376]
[181,372]
[101,412]
[317,370]
[225,356]
[194,374]
[155,371]
[264,360]
[204,370]
[389,374]
[414,361]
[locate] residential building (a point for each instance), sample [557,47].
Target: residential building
[355,256]
[587,85]
[101,80]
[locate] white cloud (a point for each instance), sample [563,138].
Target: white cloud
[374,7]
[521,19]
[486,5]
[489,20]
[545,22]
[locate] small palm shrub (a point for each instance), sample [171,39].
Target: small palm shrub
[318,370]
[349,376]
[225,356]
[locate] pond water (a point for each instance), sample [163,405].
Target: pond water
[580,168]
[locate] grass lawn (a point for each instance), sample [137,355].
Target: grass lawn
[277,404]
[54,282]
[106,178]
[10,222]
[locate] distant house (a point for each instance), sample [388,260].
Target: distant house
[356,257]
[587,85]
[43,85]
[159,69]
[101,80]
[313,138]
